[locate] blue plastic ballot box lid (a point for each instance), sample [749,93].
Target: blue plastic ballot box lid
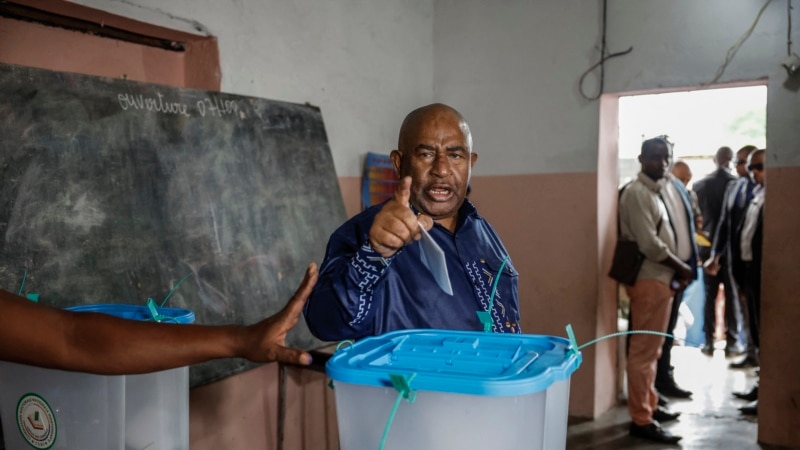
[138,312]
[464,362]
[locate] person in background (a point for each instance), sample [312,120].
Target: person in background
[372,279]
[644,219]
[710,194]
[750,239]
[677,200]
[683,172]
[38,335]
[725,244]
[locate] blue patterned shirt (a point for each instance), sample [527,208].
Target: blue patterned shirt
[359,293]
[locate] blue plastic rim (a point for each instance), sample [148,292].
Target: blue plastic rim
[465,362]
[137,312]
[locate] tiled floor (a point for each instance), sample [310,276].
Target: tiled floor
[710,420]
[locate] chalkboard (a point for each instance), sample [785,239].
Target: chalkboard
[113,191]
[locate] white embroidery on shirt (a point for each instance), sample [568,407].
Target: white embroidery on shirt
[369,275]
[482,290]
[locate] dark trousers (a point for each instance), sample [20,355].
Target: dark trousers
[752,292]
[664,366]
[732,313]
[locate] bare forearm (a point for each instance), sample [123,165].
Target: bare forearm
[140,347]
[99,343]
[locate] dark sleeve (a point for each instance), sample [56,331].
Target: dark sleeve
[340,306]
[699,190]
[720,237]
[695,202]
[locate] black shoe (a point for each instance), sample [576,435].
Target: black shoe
[747,363]
[672,390]
[653,432]
[707,349]
[749,396]
[750,409]
[733,350]
[662,415]
[662,401]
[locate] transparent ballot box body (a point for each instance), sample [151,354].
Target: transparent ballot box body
[464,390]
[56,409]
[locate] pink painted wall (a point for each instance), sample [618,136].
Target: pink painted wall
[548,223]
[351,195]
[779,386]
[241,412]
[56,48]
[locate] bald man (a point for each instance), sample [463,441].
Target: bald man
[683,173]
[372,280]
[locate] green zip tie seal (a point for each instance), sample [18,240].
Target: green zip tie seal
[485,317]
[574,349]
[402,384]
[32,297]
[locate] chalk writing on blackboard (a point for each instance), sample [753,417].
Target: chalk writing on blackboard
[212,105]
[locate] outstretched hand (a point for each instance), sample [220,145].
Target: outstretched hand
[396,225]
[265,341]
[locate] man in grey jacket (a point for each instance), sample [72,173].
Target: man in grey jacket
[644,219]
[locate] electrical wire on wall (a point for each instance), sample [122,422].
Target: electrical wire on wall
[789,28]
[732,51]
[792,61]
[603,58]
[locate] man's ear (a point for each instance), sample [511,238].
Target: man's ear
[473,159]
[397,161]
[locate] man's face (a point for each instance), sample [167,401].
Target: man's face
[436,154]
[757,168]
[656,160]
[741,163]
[683,173]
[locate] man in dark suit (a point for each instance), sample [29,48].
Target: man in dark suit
[710,193]
[726,242]
[750,233]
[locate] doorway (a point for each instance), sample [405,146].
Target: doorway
[698,123]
